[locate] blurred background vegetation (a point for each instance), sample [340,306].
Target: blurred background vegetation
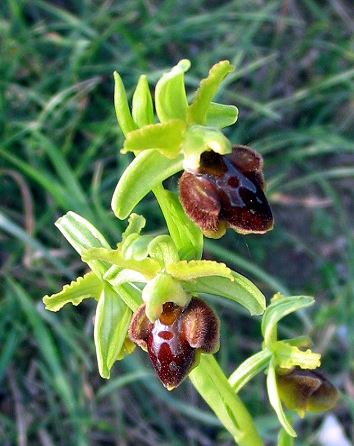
[59,151]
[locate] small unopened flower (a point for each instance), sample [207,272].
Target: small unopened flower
[175,340]
[302,390]
[227,191]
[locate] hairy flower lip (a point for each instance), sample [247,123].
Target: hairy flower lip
[175,340]
[227,190]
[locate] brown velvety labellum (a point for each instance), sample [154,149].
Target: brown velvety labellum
[231,186]
[175,340]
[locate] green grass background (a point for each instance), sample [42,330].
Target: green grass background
[59,151]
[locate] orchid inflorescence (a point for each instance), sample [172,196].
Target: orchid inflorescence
[150,289]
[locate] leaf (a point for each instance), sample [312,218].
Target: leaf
[121,105]
[166,137]
[142,108]
[170,94]
[274,400]
[279,308]
[221,115]
[83,287]
[241,290]
[197,111]
[195,269]
[82,235]
[111,328]
[146,171]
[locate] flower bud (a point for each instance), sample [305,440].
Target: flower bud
[303,389]
[227,190]
[175,340]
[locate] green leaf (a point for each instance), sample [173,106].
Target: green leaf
[146,171]
[279,308]
[170,94]
[82,235]
[142,108]
[187,236]
[83,287]
[274,400]
[195,269]
[111,328]
[221,115]
[241,290]
[197,111]
[166,137]
[121,105]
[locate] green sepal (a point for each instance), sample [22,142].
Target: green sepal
[82,288]
[195,269]
[163,288]
[197,111]
[142,107]
[187,236]
[279,308]
[221,115]
[274,400]
[170,94]
[144,173]
[240,290]
[166,137]
[124,117]
[148,267]
[82,235]
[111,328]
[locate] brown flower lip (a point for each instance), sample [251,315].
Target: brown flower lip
[175,340]
[227,190]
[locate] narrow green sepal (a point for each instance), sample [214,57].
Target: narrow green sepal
[111,328]
[240,290]
[82,288]
[124,117]
[197,111]
[162,249]
[221,115]
[82,235]
[166,137]
[170,94]
[150,168]
[142,107]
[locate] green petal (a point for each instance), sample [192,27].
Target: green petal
[195,269]
[111,328]
[142,108]
[187,236]
[279,308]
[274,400]
[82,235]
[146,171]
[197,111]
[166,137]
[148,267]
[221,115]
[241,290]
[170,94]
[83,287]
[121,105]
[287,356]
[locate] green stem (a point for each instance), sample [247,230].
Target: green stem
[213,386]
